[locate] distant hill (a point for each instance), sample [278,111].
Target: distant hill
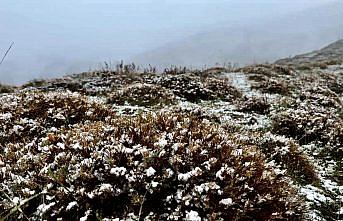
[332,52]
[268,41]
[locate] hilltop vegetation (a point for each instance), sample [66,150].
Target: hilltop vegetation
[262,142]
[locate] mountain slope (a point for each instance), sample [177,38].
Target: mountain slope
[332,52]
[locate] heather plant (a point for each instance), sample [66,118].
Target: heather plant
[286,154]
[142,95]
[36,83]
[156,166]
[6,89]
[194,88]
[273,86]
[28,115]
[334,138]
[255,105]
[268,70]
[301,125]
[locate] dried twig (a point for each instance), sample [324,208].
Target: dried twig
[8,50]
[16,208]
[141,207]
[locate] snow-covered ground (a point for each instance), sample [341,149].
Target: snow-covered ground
[175,146]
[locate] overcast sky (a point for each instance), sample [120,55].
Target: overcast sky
[55,37]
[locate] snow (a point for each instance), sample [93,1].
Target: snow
[43,208]
[71,205]
[186,176]
[105,187]
[5,116]
[192,216]
[154,184]
[85,218]
[16,200]
[61,145]
[161,143]
[150,171]
[170,172]
[313,194]
[59,116]
[226,202]
[17,129]
[118,171]
[238,152]
[224,169]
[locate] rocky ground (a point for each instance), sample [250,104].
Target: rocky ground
[263,142]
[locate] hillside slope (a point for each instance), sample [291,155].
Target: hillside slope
[332,52]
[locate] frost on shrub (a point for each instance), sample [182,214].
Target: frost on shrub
[6,89]
[321,97]
[142,95]
[334,137]
[303,125]
[256,105]
[273,86]
[270,78]
[194,88]
[286,155]
[159,166]
[268,70]
[34,114]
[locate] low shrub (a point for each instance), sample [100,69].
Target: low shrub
[273,86]
[142,95]
[268,70]
[28,115]
[285,153]
[193,88]
[318,96]
[6,89]
[164,166]
[36,83]
[334,137]
[303,126]
[255,105]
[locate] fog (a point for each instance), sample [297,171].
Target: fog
[264,40]
[53,38]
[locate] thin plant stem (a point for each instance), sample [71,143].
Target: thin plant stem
[8,50]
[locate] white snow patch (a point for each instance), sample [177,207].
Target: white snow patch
[71,205]
[192,216]
[84,218]
[118,171]
[226,202]
[150,171]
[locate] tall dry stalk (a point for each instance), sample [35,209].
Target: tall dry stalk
[8,50]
